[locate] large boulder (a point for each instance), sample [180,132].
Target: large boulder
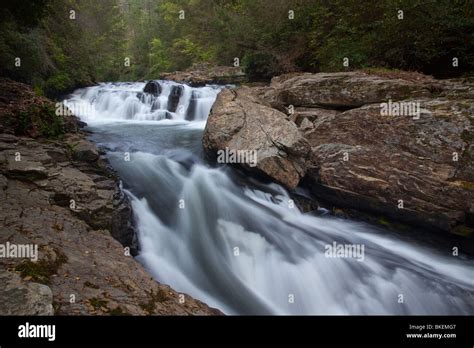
[241,122]
[415,168]
[342,90]
[418,170]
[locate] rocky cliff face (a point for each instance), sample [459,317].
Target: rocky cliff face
[399,145]
[58,193]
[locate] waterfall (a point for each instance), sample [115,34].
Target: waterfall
[240,245]
[110,102]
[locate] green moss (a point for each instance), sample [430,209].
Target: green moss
[42,270]
[90,285]
[56,307]
[97,303]
[464,105]
[467,185]
[51,125]
[149,307]
[71,148]
[24,122]
[384,222]
[467,136]
[38,271]
[39,90]
[463,230]
[118,312]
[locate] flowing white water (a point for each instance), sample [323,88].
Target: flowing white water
[239,245]
[112,102]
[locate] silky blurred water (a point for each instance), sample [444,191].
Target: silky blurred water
[245,248]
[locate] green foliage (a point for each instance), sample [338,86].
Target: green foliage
[118,312]
[258,66]
[158,59]
[41,118]
[97,303]
[57,83]
[158,297]
[59,54]
[428,36]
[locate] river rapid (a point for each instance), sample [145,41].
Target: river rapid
[241,245]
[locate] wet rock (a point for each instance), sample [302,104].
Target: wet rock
[191,111]
[153,87]
[175,95]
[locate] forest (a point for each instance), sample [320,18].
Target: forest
[58,45]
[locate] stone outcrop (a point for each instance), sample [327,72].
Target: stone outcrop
[343,90]
[364,160]
[241,122]
[202,74]
[58,193]
[20,297]
[414,168]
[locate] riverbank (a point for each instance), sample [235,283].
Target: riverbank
[58,193]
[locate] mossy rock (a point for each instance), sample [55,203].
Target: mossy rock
[42,270]
[158,297]
[97,303]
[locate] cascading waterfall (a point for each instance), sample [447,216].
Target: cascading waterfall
[111,102]
[240,245]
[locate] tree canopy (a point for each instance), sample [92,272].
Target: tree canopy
[57,45]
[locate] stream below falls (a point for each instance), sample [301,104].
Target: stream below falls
[237,244]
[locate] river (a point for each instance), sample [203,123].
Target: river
[241,245]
